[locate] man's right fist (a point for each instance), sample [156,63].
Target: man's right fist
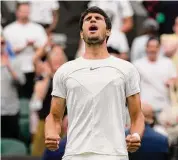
[52,142]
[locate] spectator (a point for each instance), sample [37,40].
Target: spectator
[11,78]
[154,145]
[25,37]
[156,72]
[120,14]
[150,28]
[42,93]
[170,44]
[45,13]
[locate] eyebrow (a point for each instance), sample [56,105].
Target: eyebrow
[88,17]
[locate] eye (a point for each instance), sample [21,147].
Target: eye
[88,18]
[98,18]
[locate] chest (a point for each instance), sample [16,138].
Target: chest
[22,34]
[95,80]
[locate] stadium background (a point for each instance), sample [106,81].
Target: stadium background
[68,30]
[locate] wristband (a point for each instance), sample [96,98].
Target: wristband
[136,135]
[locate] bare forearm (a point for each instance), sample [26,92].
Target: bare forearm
[18,50]
[53,124]
[40,52]
[136,115]
[138,125]
[55,20]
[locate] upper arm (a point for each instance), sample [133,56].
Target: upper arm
[59,94]
[132,92]
[132,82]
[59,88]
[57,107]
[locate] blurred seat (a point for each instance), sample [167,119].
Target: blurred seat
[24,107]
[11,147]
[24,129]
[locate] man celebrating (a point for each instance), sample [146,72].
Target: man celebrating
[95,88]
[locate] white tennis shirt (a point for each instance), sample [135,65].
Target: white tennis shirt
[95,93]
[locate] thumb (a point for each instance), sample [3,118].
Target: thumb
[128,138]
[58,139]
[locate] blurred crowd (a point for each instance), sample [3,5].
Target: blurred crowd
[32,51]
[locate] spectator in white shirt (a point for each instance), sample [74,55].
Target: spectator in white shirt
[45,13]
[25,37]
[155,71]
[150,28]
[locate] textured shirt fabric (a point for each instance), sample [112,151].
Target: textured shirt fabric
[95,93]
[9,94]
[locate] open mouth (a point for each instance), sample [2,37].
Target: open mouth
[93,28]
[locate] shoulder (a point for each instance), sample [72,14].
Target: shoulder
[10,26]
[158,136]
[141,38]
[36,26]
[140,62]
[161,139]
[166,60]
[67,67]
[124,66]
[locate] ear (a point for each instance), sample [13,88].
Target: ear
[108,32]
[81,34]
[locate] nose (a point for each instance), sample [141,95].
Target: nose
[93,20]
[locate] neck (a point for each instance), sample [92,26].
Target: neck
[96,51]
[23,21]
[152,59]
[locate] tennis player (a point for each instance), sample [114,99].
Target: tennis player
[95,88]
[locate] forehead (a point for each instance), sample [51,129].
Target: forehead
[93,14]
[153,42]
[24,6]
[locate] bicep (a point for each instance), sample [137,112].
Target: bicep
[57,107]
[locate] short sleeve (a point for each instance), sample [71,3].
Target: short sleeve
[59,89]
[55,5]
[41,38]
[127,10]
[132,82]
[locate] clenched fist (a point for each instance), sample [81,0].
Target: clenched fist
[133,143]
[52,141]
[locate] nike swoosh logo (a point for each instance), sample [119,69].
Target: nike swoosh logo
[94,68]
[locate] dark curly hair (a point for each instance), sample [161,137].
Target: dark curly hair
[98,10]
